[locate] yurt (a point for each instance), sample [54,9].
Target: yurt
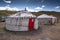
[54,19]
[21,21]
[46,19]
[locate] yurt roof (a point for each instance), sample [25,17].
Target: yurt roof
[52,16]
[44,16]
[23,14]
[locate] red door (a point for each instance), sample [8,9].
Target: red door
[31,24]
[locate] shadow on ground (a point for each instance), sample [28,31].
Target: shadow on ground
[25,33]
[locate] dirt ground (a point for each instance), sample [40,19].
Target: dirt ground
[45,32]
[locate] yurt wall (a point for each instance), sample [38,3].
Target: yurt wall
[17,23]
[44,20]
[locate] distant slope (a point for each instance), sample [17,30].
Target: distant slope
[5,12]
[57,14]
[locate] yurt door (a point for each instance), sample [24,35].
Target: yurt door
[31,24]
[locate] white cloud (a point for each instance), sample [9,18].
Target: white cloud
[43,6]
[16,9]
[9,8]
[2,8]
[57,7]
[39,8]
[35,9]
[32,10]
[7,1]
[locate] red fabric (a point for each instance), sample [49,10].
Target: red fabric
[31,24]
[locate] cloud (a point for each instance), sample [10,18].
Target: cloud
[2,8]
[9,8]
[57,7]
[36,9]
[43,6]
[32,10]
[15,8]
[39,8]
[7,1]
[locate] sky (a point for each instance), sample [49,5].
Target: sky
[30,5]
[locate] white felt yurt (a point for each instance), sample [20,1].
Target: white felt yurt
[46,19]
[21,21]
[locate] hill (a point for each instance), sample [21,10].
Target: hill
[57,14]
[7,13]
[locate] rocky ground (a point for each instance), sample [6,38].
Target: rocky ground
[45,32]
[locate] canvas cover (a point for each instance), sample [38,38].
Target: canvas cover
[36,24]
[46,19]
[19,21]
[17,24]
